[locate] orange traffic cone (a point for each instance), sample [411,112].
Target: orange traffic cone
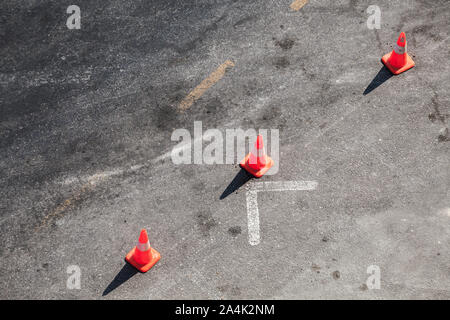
[143,257]
[398,60]
[257,162]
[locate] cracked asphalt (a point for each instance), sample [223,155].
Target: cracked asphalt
[85,140]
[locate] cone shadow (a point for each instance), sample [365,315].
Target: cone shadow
[239,180]
[382,76]
[124,275]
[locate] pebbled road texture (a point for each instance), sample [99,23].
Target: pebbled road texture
[85,126]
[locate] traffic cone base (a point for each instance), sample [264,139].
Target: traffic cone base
[143,268]
[408,65]
[256,173]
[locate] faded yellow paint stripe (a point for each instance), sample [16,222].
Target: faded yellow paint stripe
[195,94]
[70,202]
[298,4]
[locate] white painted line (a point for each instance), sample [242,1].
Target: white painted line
[252,202]
[253,217]
[284,186]
[119,171]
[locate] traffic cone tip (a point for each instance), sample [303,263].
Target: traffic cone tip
[401,39]
[143,237]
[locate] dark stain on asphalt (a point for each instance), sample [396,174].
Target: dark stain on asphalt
[244,21]
[285,44]
[281,63]
[271,113]
[432,117]
[443,135]
[436,115]
[336,275]
[311,76]
[235,231]
[166,118]
[315,268]
[214,107]
[177,92]
[206,222]
[44,267]
[210,110]
[383,203]
[177,61]
[302,204]
[273,116]
[230,289]
[176,97]
[199,186]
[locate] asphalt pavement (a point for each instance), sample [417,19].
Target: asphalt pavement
[85,149]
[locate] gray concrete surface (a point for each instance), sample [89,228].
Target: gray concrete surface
[79,108]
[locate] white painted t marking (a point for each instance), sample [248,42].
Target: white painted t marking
[252,201]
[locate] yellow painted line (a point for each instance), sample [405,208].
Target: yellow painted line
[298,4]
[195,94]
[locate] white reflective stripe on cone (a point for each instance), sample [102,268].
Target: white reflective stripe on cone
[143,246]
[261,152]
[258,152]
[399,50]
